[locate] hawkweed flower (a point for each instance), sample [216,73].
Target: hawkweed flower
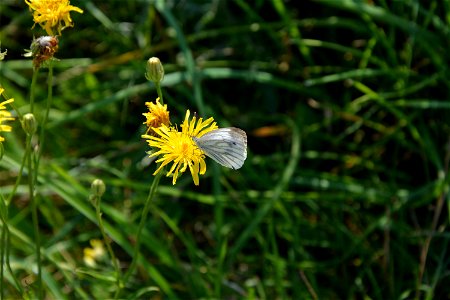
[52,15]
[4,115]
[42,49]
[94,254]
[156,116]
[177,147]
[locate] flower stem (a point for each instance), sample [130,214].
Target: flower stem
[3,246]
[44,121]
[33,173]
[108,245]
[16,185]
[34,215]
[221,241]
[32,89]
[4,216]
[4,251]
[148,202]
[160,94]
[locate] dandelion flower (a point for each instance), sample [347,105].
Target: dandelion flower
[178,147]
[157,115]
[52,15]
[4,115]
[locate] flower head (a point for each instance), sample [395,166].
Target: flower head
[52,15]
[178,147]
[42,49]
[4,115]
[157,115]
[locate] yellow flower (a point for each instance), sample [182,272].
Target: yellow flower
[91,255]
[52,14]
[178,147]
[4,115]
[157,116]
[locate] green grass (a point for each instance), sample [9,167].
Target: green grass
[345,191]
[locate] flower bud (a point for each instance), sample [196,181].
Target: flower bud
[29,124]
[98,188]
[154,70]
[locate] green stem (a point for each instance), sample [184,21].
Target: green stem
[159,91]
[33,85]
[33,173]
[16,185]
[4,256]
[19,176]
[148,202]
[44,121]
[19,114]
[108,245]
[34,215]
[8,264]
[6,236]
[218,218]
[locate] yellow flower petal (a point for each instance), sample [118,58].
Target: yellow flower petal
[52,15]
[4,115]
[178,148]
[157,115]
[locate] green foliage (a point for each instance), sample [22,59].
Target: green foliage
[344,194]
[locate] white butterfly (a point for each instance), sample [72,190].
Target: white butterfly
[227,146]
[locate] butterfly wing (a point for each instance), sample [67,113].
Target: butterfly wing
[227,146]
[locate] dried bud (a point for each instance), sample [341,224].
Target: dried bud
[42,49]
[98,188]
[154,71]
[29,124]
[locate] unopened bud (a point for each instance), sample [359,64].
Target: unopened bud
[29,124]
[154,70]
[98,187]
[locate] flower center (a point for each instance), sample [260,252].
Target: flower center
[185,148]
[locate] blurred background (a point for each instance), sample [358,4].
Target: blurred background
[345,191]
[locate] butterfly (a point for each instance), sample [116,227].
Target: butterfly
[227,146]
